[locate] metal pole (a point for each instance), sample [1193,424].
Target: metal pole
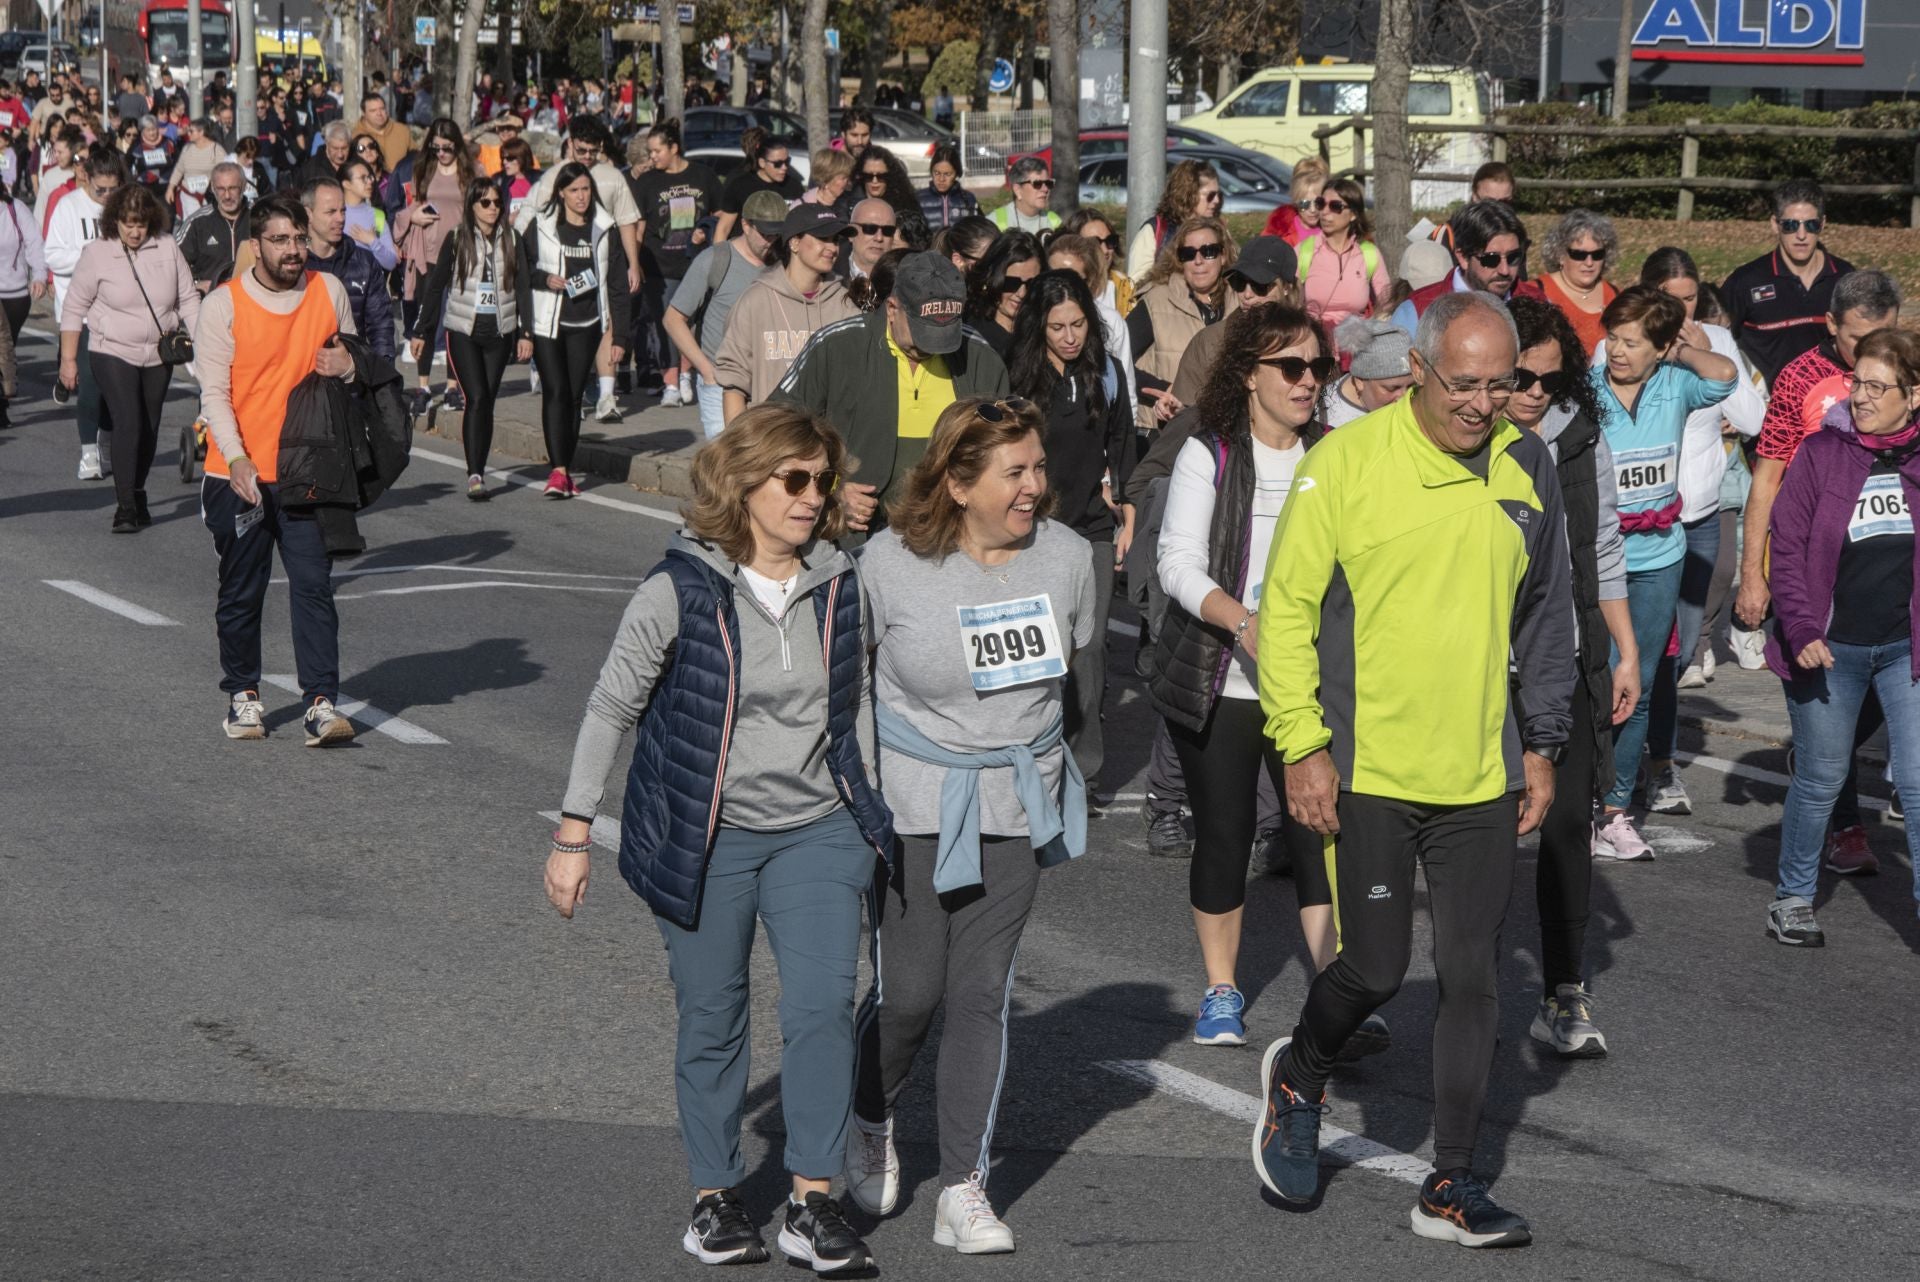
[246,71]
[196,69]
[1147,114]
[1546,47]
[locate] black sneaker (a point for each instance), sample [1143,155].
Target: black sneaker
[721,1233]
[817,1235]
[1286,1139]
[1373,1037]
[125,521]
[1455,1207]
[1167,835]
[1271,858]
[456,400]
[141,516]
[418,403]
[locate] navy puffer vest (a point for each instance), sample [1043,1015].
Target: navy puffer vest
[672,807]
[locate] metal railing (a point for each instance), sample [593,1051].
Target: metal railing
[989,139]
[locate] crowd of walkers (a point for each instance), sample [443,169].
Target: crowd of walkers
[1422,547]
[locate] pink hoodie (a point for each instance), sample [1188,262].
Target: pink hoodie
[106,299]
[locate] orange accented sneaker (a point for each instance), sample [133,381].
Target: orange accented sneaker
[1454,1207]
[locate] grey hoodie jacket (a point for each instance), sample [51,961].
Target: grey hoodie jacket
[776,770]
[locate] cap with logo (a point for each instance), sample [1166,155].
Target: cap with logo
[1265,259]
[822,222]
[766,211]
[932,293]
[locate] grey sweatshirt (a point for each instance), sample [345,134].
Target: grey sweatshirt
[1611,545]
[776,769]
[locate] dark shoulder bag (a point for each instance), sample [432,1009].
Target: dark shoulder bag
[176,344]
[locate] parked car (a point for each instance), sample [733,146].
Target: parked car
[909,137]
[1277,110]
[1111,140]
[722,126]
[728,161]
[47,58]
[13,43]
[1250,186]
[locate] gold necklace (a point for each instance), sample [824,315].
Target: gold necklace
[1584,294]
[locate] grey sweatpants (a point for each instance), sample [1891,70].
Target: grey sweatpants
[958,948]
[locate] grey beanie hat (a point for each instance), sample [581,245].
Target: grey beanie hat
[1379,347]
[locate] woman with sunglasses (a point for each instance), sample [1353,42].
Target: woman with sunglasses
[1184,293]
[1659,368]
[1577,254]
[769,168]
[1117,291]
[1342,272]
[366,222]
[1554,398]
[437,185]
[1192,191]
[1230,481]
[573,289]
[943,200]
[1843,572]
[748,803]
[518,176]
[997,284]
[879,175]
[473,288]
[1299,218]
[977,604]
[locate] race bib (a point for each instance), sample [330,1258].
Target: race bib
[154,157]
[582,282]
[1011,643]
[247,519]
[1881,510]
[197,184]
[1648,476]
[487,299]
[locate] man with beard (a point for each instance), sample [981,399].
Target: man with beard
[1489,254]
[260,335]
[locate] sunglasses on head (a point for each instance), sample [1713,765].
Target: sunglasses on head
[876,229]
[1788,226]
[1552,384]
[1511,258]
[1295,368]
[1001,410]
[1330,204]
[1239,283]
[796,480]
[1583,255]
[1187,253]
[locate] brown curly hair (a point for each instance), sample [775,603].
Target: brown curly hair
[1252,333]
[743,458]
[1166,264]
[964,439]
[1179,201]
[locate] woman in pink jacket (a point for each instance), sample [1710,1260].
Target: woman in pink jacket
[132,285]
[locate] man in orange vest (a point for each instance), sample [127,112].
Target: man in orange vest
[260,335]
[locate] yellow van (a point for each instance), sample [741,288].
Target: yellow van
[1277,110]
[279,59]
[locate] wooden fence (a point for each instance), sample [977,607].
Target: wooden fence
[1687,181]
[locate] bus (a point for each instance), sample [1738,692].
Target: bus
[163,35]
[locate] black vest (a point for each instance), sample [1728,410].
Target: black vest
[1580,492]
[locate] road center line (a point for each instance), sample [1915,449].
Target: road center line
[475,569]
[672,518]
[366,714]
[479,583]
[111,603]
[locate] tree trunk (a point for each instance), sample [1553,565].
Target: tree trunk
[879,40]
[1063,95]
[991,30]
[673,76]
[813,72]
[1392,153]
[353,69]
[1225,79]
[503,52]
[1623,62]
[466,69]
[1024,60]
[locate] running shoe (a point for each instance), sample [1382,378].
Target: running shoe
[607,410]
[456,400]
[1894,810]
[872,1173]
[1565,1022]
[1167,836]
[125,520]
[1373,1037]
[1455,1207]
[573,487]
[1848,854]
[1286,1139]
[1790,920]
[1220,1021]
[477,488]
[817,1235]
[246,716]
[1618,839]
[559,485]
[1749,648]
[420,402]
[1694,678]
[964,1220]
[90,463]
[670,393]
[1707,662]
[1270,855]
[721,1233]
[686,390]
[1666,795]
[325,726]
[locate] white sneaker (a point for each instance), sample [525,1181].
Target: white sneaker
[1619,840]
[246,716]
[90,463]
[964,1220]
[686,390]
[607,410]
[1749,648]
[325,725]
[1694,678]
[670,393]
[1706,664]
[533,380]
[873,1169]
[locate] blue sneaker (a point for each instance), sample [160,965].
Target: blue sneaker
[1456,1208]
[1286,1139]
[1219,1022]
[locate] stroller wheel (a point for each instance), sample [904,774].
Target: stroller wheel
[189,439]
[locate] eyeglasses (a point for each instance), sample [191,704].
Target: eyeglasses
[1583,255]
[1462,390]
[487,204]
[1551,384]
[1044,184]
[1241,284]
[1788,226]
[1112,241]
[1330,205]
[1875,389]
[1187,253]
[281,242]
[876,229]
[1512,258]
[796,480]
[1214,197]
[1011,285]
[1296,368]
[1001,410]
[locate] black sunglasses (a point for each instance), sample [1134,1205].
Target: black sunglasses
[1330,205]
[1295,368]
[1011,285]
[1045,184]
[1001,410]
[1187,253]
[491,202]
[1788,226]
[782,163]
[1583,255]
[1238,283]
[876,229]
[869,175]
[796,480]
[1112,241]
[1512,258]
[1552,384]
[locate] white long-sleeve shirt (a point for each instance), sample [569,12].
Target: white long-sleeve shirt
[76,222]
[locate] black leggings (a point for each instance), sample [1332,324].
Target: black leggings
[133,395]
[1222,766]
[15,310]
[1468,854]
[1564,885]
[565,364]
[479,365]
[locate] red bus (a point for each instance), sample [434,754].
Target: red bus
[163,34]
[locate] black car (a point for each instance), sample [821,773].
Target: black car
[722,126]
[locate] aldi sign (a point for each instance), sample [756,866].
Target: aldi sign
[1804,33]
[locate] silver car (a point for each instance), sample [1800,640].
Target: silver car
[909,137]
[1250,184]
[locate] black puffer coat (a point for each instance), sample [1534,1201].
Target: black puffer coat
[344,444]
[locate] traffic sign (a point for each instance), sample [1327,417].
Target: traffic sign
[425,31]
[1002,78]
[833,39]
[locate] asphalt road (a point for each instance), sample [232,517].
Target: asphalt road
[272,1013]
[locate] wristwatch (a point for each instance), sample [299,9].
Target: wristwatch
[1555,754]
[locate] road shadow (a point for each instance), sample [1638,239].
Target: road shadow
[83,496]
[440,677]
[470,547]
[415,494]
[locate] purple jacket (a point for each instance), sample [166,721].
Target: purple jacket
[1809,528]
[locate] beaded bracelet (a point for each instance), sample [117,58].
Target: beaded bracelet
[571,847]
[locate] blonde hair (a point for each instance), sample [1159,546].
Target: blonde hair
[1308,174]
[1167,265]
[743,458]
[928,519]
[828,165]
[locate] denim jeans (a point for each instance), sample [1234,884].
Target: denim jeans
[1651,595]
[1824,706]
[1696,577]
[712,406]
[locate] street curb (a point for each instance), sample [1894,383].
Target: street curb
[670,474]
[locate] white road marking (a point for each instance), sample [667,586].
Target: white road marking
[600,500]
[1758,775]
[481,583]
[366,714]
[476,569]
[606,832]
[1675,841]
[109,602]
[1344,1146]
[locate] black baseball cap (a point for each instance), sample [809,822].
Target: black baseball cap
[931,291]
[822,222]
[1265,259]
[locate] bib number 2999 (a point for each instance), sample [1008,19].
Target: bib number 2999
[1011,643]
[991,649]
